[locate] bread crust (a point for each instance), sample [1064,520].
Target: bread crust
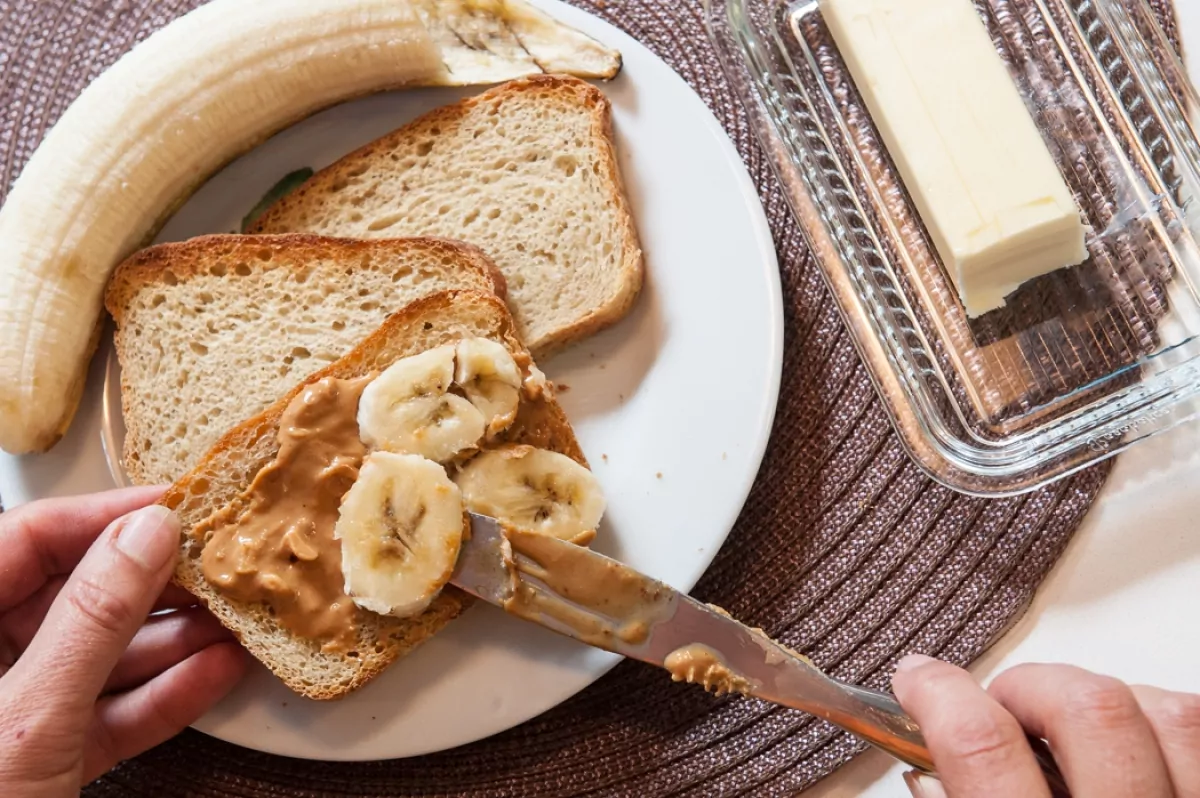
[187,259]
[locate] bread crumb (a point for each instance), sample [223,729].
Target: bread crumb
[724,456]
[562,387]
[604,457]
[658,475]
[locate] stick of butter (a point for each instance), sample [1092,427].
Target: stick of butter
[967,149]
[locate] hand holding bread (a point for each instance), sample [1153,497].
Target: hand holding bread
[86,678]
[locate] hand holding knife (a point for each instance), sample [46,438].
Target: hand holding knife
[581,594]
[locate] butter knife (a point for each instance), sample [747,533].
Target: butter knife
[579,593]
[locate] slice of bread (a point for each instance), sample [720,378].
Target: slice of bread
[213,330]
[232,464]
[527,172]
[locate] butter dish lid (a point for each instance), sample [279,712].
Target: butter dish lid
[1080,363]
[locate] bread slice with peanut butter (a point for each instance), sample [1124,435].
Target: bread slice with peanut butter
[305,665]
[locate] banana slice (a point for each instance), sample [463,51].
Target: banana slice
[534,489]
[407,409]
[489,377]
[401,526]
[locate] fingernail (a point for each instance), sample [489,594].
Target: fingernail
[912,662]
[922,786]
[150,536]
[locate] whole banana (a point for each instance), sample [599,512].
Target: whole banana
[183,103]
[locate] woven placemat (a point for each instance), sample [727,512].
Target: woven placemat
[844,551]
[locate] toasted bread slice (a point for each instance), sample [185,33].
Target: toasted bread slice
[238,456]
[527,172]
[215,329]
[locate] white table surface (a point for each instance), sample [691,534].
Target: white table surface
[1135,557]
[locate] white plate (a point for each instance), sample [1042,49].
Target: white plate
[673,407]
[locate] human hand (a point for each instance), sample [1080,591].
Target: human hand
[86,679]
[1108,738]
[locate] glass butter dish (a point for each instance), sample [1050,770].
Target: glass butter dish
[1080,363]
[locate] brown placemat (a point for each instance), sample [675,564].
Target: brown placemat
[844,551]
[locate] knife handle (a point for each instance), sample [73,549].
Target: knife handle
[898,734]
[1050,771]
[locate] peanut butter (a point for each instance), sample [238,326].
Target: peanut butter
[604,603]
[274,544]
[699,664]
[536,425]
[584,587]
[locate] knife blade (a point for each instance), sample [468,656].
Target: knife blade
[582,594]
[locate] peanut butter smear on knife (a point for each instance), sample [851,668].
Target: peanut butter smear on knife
[607,604]
[583,587]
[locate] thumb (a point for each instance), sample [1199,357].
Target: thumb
[101,607]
